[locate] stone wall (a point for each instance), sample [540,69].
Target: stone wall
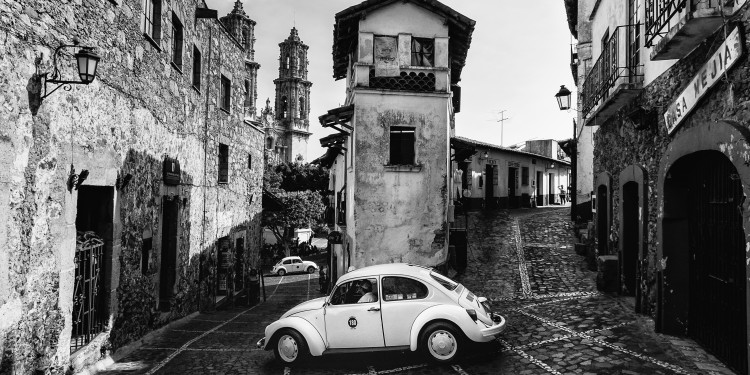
[138,111]
[618,144]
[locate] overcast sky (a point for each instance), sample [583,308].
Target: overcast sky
[518,58]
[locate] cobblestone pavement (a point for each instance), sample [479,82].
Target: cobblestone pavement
[523,261]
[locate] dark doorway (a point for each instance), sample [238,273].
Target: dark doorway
[489,191]
[539,189]
[630,238]
[168,262]
[512,179]
[239,264]
[602,219]
[551,182]
[93,263]
[703,201]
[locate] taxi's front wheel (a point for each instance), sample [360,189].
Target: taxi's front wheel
[441,342]
[290,347]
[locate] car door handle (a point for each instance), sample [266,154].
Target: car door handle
[374,309]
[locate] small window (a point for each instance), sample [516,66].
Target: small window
[422,52]
[402,145]
[196,68]
[269,143]
[226,93]
[249,161]
[525,176]
[176,41]
[288,261]
[223,163]
[444,281]
[247,94]
[152,21]
[284,106]
[401,288]
[302,108]
[356,291]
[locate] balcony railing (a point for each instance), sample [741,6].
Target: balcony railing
[613,71]
[675,27]
[409,78]
[658,16]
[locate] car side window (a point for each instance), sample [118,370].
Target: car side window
[402,288]
[296,261]
[287,261]
[356,291]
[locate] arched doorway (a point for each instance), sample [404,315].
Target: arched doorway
[703,288]
[603,211]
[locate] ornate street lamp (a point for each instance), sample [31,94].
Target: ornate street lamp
[563,98]
[87,62]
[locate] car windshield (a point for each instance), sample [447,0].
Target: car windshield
[444,281]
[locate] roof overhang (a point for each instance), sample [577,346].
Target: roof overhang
[462,150]
[346,33]
[338,118]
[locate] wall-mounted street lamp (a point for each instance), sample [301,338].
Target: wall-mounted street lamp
[486,155]
[87,62]
[563,98]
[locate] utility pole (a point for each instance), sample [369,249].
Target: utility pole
[502,125]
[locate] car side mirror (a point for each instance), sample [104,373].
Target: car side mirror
[482,299]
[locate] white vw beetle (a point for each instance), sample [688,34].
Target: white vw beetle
[385,307]
[294,264]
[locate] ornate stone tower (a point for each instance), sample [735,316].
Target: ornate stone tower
[243,29]
[292,107]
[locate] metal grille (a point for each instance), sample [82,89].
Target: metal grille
[717,301]
[406,81]
[88,296]
[658,15]
[613,64]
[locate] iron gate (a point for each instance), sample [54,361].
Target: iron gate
[88,301]
[717,297]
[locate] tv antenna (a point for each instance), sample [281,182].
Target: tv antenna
[501,120]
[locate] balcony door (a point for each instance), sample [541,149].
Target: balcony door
[634,39]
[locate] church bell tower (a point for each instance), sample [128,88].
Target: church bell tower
[292,108]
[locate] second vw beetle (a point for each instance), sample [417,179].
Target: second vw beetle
[390,306]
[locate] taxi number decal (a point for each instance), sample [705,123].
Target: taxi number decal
[353,322]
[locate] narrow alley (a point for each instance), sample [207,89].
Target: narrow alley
[522,260]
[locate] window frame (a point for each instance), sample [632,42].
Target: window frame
[397,138]
[525,176]
[197,68]
[178,41]
[151,24]
[223,164]
[375,290]
[225,101]
[382,290]
[418,53]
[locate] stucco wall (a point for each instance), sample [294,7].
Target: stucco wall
[405,18]
[400,215]
[139,110]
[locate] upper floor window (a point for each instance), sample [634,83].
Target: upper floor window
[247,94]
[223,163]
[402,145]
[284,107]
[422,52]
[226,93]
[196,68]
[302,108]
[152,20]
[176,41]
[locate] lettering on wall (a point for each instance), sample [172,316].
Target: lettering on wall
[723,59]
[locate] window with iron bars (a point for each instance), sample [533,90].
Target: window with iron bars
[223,163]
[422,52]
[152,21]
[402,144]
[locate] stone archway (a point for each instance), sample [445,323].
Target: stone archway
[702,183]
[633,218]
[603,214]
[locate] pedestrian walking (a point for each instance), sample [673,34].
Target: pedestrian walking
[562,195]
[323,279]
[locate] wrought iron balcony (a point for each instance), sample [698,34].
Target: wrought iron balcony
[615,78]
[681,25]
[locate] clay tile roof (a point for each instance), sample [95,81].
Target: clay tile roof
[346,32]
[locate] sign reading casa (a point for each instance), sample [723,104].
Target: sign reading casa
[723,59]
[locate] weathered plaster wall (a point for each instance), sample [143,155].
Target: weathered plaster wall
[406,18]
[139,110]
[400,216]
[619,144]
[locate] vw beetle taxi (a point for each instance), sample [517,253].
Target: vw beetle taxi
[390,306]
[294,264]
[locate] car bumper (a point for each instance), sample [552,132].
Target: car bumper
[496,329]
[262,343]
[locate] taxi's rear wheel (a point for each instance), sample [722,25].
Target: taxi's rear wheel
[441,342]
[290,347]
[281,272]
[311,269]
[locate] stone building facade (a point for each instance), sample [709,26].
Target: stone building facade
[670,163]
[288,125]
[402,64]
[167,220]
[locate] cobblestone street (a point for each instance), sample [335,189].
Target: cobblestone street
[523,261]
